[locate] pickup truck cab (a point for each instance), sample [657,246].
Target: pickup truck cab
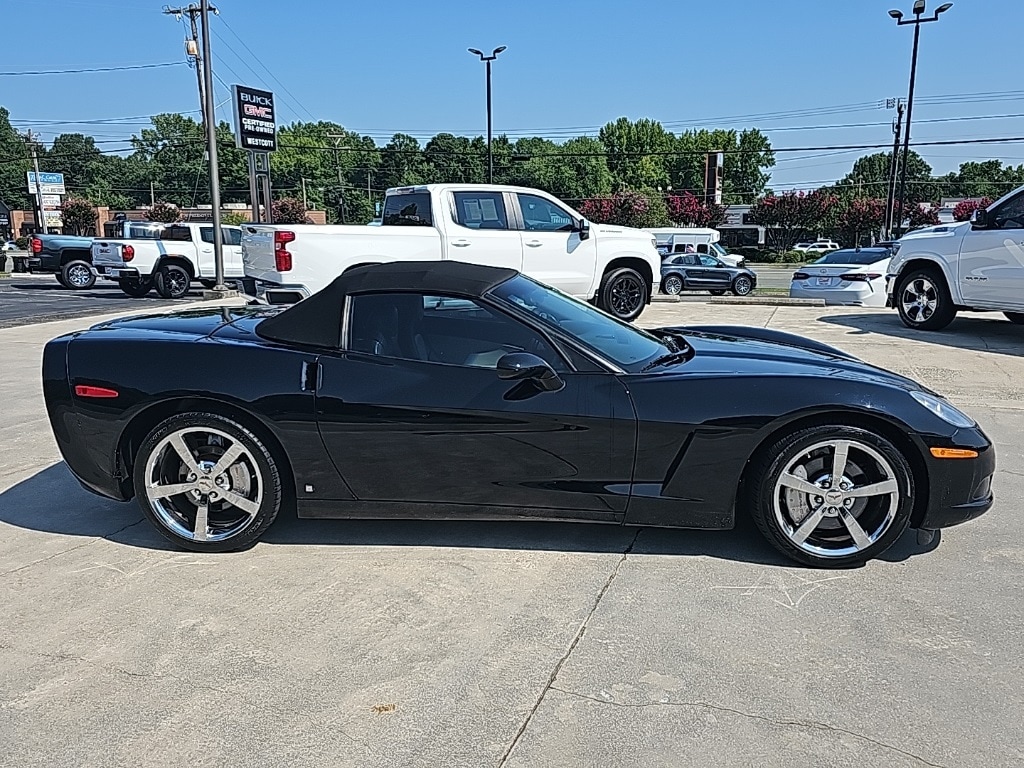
[526,229]
[972,266]
[66,256]
[167,257]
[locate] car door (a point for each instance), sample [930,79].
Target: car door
[992,260]
[553,251]
[691,270]
[715,274]
[480,233]
[205,256]
[412,411]
[233,266]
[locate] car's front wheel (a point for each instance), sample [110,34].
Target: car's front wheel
[742,285]
[623,293]
[672,285]
[207,482]
[77,275]
[172,281]
[924,302]
[831,497]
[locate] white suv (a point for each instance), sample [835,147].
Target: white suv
[976,265]
[818,247]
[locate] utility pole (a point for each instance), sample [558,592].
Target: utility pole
[890,199]
[39,185]
[152,195]
[305,202]
[192,46]
[341,184]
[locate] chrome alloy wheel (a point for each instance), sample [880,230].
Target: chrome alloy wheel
[672,285]
[836,498]
[79,276]
[203,485]
[919,299]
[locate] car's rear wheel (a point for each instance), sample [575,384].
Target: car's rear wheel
[742,285]
[135,287]
[172,281]
[623,293]
[831,497]
[672,285]
[207,482]
[1017,318]
[924,301]
[78,275]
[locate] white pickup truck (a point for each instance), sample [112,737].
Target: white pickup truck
[976,265]
[169,261]
[616,267]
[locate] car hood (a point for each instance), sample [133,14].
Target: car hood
[738,350]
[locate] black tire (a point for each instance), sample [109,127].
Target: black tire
[742,285]
[623,293]
[135,287]
[1017,318]
[77,275]
[915,296]
[718,292]
[60,279]
[172,281]
[177,514]
[672,285]
[207,284]
[885,516]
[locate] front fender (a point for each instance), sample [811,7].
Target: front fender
[899,266]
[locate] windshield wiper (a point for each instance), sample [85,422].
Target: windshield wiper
[672,357]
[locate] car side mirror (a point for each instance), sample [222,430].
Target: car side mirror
[584,229]
[980,219]
[520,366]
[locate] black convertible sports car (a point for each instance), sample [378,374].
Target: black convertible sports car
[447,390]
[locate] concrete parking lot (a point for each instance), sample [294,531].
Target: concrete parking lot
[501,644]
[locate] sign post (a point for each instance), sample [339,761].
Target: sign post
[256,133]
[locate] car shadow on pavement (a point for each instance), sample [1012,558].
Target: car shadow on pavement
[982,334]
[52,501]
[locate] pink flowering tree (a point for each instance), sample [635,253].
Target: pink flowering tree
[791,214]
[688,210]
[966,208]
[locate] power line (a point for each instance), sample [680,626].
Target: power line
[93,69]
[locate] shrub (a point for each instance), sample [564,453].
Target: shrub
[22,243]
[165,213]
[234,218]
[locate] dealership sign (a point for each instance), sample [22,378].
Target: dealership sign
[255,126]
[51,183]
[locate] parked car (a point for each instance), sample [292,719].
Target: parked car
[976,265]
[851,276]
[817,247]
[168,259]
[515,227]
[66,256]
[9,245]
[701,272]
[447,390]
[671,240]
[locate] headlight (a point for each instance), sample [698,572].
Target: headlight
[943,410]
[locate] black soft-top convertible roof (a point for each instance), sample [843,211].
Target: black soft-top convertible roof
[316,321]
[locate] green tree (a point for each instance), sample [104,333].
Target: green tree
[14,163]
[869,177]
[989,178]
[402,163]
[163,212]
[456,159]
[637,152]
[289,210]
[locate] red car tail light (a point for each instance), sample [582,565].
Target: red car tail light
[860,277]
[800,276]
[37,245]
[282,257]
[127,253]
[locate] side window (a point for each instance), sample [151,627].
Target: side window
[179,233]
[541,215]
[1011,214]
[407,210]
[206,233]
[480,210]
[232,236]
[439,329]
[708,261]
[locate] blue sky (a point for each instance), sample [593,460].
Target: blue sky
[570,67]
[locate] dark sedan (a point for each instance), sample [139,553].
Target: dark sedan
[443,390]
[701,272]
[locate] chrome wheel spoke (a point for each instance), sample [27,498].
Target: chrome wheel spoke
[799,484]
[883,488]
[231,455]
[860,538]
[201,528]
[842,452]
[185,453]
[807,526]
[246,505]
[171,489]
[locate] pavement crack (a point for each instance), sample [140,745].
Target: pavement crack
[813,724]
[91,541]
[771,317]
[572,647]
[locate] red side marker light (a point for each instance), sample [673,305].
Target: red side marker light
[84,390]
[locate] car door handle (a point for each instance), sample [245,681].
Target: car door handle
[462,243]
[534,243]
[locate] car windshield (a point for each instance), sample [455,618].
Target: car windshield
[853,257]
[718,250]
[616,341]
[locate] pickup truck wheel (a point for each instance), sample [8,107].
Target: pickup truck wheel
[60,279]
[172,281]
[924,301]
[623,293]
[1017,318]
[78,275]
[135,287]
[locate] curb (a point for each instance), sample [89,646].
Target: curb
[770,301]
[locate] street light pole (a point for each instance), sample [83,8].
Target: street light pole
[487,60]
[917,21]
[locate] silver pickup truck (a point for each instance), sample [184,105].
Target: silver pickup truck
[177,256]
